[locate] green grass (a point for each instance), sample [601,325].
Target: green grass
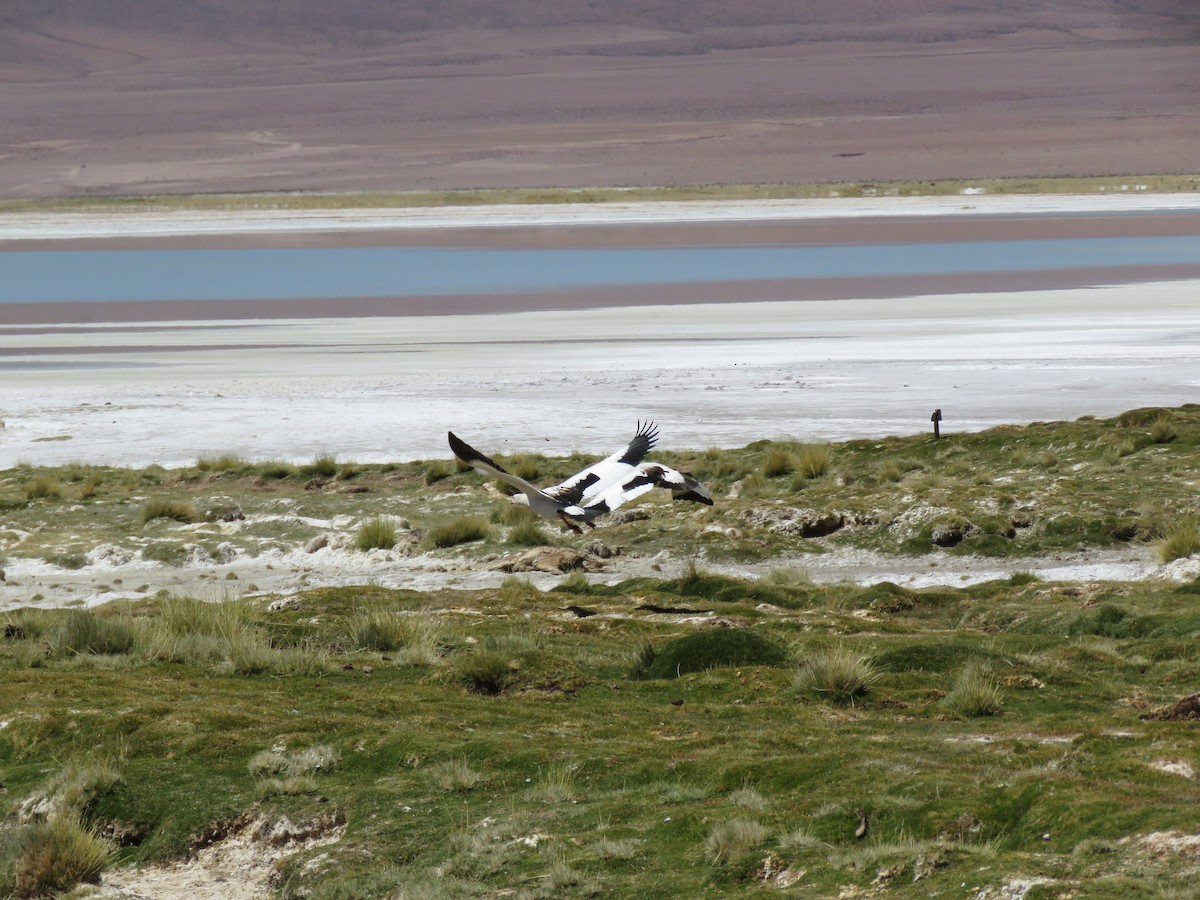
[52,857]
[460,530]
[299,200]
[1180,541]
[1009,492]
[975,693]
[526,755]
[994,715]
[838,673]
[175,510]
[715,648]
[43,487]
[322,467]
[375,534]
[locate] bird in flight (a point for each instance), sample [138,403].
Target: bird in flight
[598,489]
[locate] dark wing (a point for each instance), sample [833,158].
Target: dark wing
[641,479]
[485,466]
[596,478]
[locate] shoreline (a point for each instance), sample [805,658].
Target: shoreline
[140,224]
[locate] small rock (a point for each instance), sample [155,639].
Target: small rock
[621,516]
[108,555]
[602,550]
[284,604]
[223,509]
[319,542]
[226,553]
[197,555]
[554,560]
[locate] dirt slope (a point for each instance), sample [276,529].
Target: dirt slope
[118,97]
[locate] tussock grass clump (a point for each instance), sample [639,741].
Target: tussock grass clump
[749,797]
[715,648]
[513,514]
[890,470]
[1019,579]
[514,587]
[293,786]
[193,631]
[813,460]
[526,534]
[729,840]
[415,637]
[786,576]
[1162,431]
[642,659]
[454,775]
[224,462]
[276,469]
[461,530]
[375,534]
[484,671]
[83,631]
[779,461]
[754,486]
[1180,541]
[556,784]
[323,467]
[54,856]
[975,693]
[574,582]
[176,510]
[838,673]
[610,848]
[436,471]
[278,761]
[75,790]
[43,487]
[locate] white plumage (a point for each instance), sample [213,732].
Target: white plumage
[598,489]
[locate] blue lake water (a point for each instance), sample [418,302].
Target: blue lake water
[232,274]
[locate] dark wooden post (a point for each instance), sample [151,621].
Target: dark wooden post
[936,419]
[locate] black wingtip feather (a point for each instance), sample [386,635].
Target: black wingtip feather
[467,453]
[643,442]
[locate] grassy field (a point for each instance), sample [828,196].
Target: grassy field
[1007,492]
[402,200]
[688,735]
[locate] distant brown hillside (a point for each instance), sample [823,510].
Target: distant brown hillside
[382,21]
[130,96]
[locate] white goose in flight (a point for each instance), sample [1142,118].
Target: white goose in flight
[598,489]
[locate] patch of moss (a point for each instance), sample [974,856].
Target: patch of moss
[713,649]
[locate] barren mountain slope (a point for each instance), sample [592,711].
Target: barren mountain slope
[121,97]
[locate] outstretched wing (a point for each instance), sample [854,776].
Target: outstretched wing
[485,466]
[642,479]
[597,478]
